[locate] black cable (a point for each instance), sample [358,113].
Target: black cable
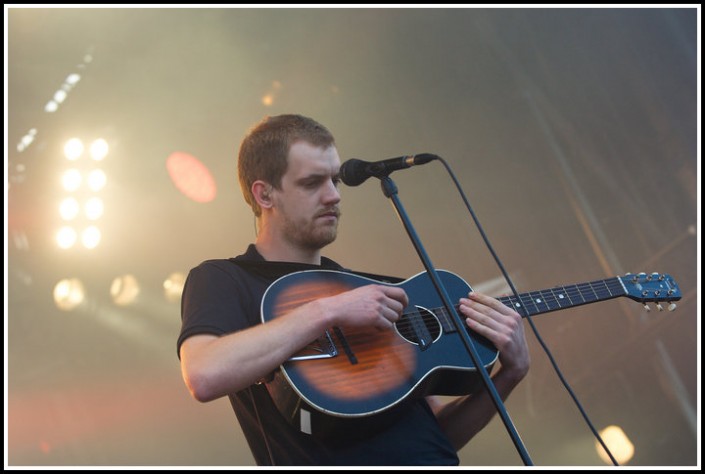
[526,314]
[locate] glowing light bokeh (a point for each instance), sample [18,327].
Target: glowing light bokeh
[90,237]
[124,290]
[68,294]
[66,237]
[618,443]
[191,177]
[71,179]
[174,286]
[93,208]
[96,180]
[68,209]
[99,149]
[73,149]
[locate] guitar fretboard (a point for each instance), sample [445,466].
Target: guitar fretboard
[560,297]
[552,299]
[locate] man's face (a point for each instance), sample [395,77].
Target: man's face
[307,205]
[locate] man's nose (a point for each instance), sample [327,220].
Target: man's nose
[332,193]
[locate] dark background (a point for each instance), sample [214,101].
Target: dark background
[574,133]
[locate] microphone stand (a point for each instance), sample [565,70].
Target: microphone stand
[390,190]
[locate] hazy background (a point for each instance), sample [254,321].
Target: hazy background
[574,133]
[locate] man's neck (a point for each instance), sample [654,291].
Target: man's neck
[283,252]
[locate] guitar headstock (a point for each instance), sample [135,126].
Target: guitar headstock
[652,288]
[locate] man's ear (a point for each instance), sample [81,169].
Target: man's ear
[262,194]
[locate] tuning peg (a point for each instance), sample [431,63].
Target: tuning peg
[647,308]
[658,305]
[639,277]
[672,307]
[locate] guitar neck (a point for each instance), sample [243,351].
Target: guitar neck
[552,299]
[642,287]
[562,297]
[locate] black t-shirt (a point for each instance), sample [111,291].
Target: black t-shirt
[222,296]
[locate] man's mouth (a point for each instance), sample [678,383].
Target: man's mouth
[329,214]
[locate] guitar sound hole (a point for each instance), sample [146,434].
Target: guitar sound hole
[409,325]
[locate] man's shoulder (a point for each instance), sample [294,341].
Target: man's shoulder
[215,266]
[215,262]
[230,263]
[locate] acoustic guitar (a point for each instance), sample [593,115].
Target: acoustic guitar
[360,372]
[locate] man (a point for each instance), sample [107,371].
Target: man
[288,168]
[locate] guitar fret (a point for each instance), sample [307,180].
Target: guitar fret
[557,298]
[537,300]
[551,301]
[588,293]
[567,294]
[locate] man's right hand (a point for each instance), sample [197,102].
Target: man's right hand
[375,305]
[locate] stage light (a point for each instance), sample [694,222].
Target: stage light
[99,149]
[27,139]
[618,443]
[83,181]
[66,237]
[51,106]
[124,290]
[73,149]
[60,96]
[90,237]
[93,208]
[96,180]
[68,209]
[71,180]
[72,79]
[269,98]
[68,294]
[174,286]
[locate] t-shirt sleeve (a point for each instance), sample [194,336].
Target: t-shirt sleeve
[214,301]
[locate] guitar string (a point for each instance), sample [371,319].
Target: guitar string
[611,288]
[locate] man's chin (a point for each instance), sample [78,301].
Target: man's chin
[325,238]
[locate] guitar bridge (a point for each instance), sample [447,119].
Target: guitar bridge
[321,348]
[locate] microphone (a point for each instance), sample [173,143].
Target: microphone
[355,172]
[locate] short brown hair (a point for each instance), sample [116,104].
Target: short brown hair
[264,151]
